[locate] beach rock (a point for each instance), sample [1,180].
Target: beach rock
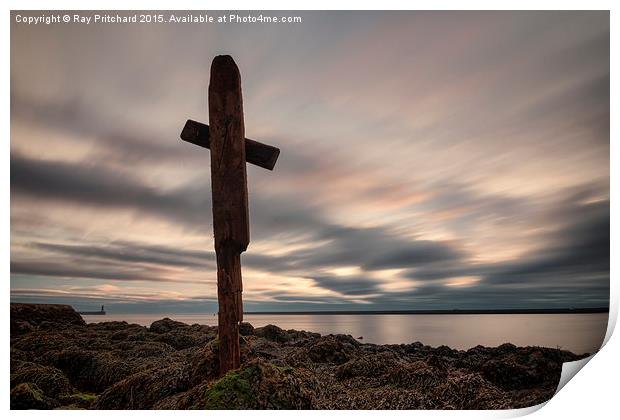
[257,385]
[21,327]
[466,391]
[173,365]
[112,326]
[28,396]
[26,317]
[367,366]
[142,349]
[142,390]
[39,342]
[272,332]
[90,370]
[77,401]
[330,349]
[205,363]
[182,340]
[51,381]
[166,325]
[245,328]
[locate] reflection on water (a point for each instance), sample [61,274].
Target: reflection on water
[579,333]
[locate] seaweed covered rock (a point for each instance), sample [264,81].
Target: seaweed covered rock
[330,349]
[78,400]
[205,363]
[173,365]
[166,325]
[142,349]
[257,385]
[28,396]
[90,370]
[26,317]
[521,369]
[51,381]
[368,366]
[142,390]
[182,340]
[245,328]
[272,332]
[466,391]
[387,368]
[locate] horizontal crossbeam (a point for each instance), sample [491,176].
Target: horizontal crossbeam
[256,153]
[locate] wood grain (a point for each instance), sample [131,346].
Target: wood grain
[230,201]
[256,153]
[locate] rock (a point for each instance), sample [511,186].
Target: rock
[172,365]
[26,317]
[466,391]
[182,340]
[28,396]
[142,390]
[367,366]
[512,372]
[78,400]
[166,325]
[245,328]
[272,332]
[51,381]
[205,363]
[21,327]
[39,341]
[257,386]
[329,350]
[143,349]
[111,326]
[90,370]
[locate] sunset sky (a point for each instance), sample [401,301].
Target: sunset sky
[429,160]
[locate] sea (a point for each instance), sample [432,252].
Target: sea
[579,333]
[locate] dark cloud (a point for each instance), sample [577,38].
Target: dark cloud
[574,257]
[97,187]
[577,253]
[350,286]
[87,270]
[371,248]
[136,253]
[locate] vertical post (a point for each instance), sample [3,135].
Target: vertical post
[230,201]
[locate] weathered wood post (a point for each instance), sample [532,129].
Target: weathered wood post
[225,136]
[230,200]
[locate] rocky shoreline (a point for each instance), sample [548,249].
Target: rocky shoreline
[60,362]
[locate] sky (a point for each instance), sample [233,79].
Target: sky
[429,160]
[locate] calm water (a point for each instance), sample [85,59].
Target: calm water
[579,333]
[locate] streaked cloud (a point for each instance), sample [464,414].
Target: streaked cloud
[429,160]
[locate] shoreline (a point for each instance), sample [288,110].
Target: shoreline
[60,361]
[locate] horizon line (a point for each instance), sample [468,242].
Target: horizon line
[438,311]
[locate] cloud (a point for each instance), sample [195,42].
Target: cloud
[95,186]
[136,253]
[477,149]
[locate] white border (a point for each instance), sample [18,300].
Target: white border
[592,394]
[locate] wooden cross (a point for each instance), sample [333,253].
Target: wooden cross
[230,150]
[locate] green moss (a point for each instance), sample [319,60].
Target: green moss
[84,397]
[231,392]
[214,344]
[284,369]
[33,390]
[27,396]
[78,400]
